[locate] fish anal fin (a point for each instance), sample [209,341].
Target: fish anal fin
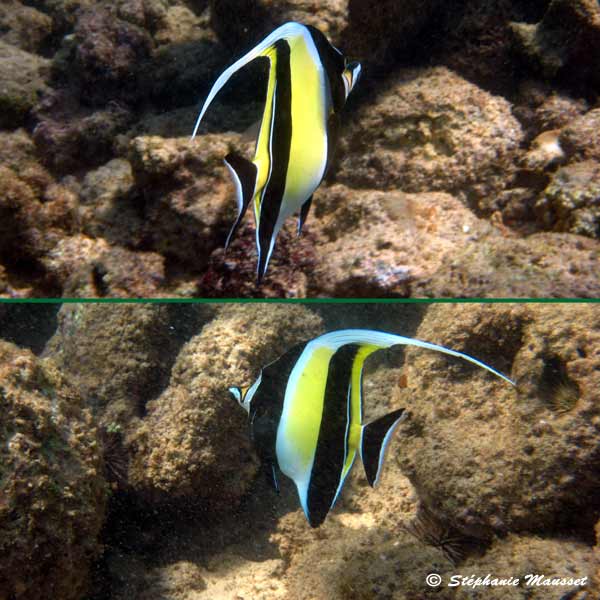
[243,173]
[375,438]
[304,213]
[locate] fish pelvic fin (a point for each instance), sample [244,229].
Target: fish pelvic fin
[244,174]
[374,439]
[303,214]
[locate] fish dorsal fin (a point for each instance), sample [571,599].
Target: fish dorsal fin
[262,49]
[374,439]
[336,339]
[243,173]
[303,214]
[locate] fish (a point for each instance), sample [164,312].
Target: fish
[305,414]
[309,81]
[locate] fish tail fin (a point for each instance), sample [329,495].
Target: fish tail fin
[243,173]
[374,439]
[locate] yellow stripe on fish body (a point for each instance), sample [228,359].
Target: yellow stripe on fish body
[262,156]
[300,422]
[308,148]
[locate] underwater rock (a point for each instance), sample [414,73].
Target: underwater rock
[595,583]
[107,206]
[119,374]
[581,137]
[180,74]
[242,24]
[18,153]
[491,459]
[179,25]
[53,494]
[24,26]
[22,83]
[430,130]
[231,272]
[187,193]
[565,43]
[31,223]
[179,580]
[543,265]
[107,55]
[539,108]
[519,556]
[572,200]
[193,443]
[83,267]
[396,566]
[64,13]
[379,31]
[70,137]
[473,38]
[380,243]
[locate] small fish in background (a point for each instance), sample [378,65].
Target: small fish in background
[305,414]
[309,82]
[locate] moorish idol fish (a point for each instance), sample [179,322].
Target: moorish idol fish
[305,414]
[309,81]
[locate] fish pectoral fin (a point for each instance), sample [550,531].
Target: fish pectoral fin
[374,439]
[303,214]
[243,173]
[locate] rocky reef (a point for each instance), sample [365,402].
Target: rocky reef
[127,472]
[467,163]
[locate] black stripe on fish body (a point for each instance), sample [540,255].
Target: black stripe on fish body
[280,143]
[266,405]
[330,453]
[334,65]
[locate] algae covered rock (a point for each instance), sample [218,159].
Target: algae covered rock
[107,204]
[120,356]
[565,43]
[581,137]
[24,26]
[108,52]
[431,130]
[239,24]
[489,458]
[193,442]
[381,243]
[22,83]
[379,31]
[524,558]
[539,107]
[557,265]
[572,200]
[83,267]
[187,194]
[70,136]
[52,493]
